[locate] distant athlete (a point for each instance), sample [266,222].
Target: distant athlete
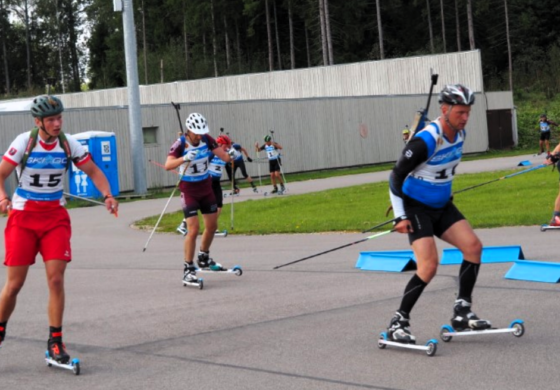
[238,163]
[274,162]
[544,127]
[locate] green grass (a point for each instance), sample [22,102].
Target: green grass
[526,199]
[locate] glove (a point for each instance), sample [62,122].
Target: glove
[249,159]
[190,156]
[231,153]
[554,158]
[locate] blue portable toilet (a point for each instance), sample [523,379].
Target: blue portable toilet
[102,146]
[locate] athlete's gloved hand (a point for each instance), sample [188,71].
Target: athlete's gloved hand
[190,155]
[231,153]
[249,159]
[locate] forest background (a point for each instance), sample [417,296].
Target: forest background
[78,45]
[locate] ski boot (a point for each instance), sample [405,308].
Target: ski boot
[57,350]
[2,333]
[555,221]
[465,319]
[190,278]
[255,190]
[236,191]
[399,331]
[205,262]
[182,228]
[282,189]
[275,190]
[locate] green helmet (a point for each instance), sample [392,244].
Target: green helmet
[46,105]
[267,138]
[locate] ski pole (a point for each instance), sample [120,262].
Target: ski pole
[258,165]
[166,205]
[232,188]
[163,166]
[279,161]
[90,201]
[501,178]
[377,226]
[337,248]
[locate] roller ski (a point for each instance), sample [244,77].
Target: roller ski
[554,224]
[208,265]
[230,194]
[466,323]
[190,279]
[398,335]
[220,233]
[56,356]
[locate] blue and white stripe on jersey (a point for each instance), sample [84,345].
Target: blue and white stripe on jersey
[545,126]
[271,152]
[198,168]
[216,167]
[431,182]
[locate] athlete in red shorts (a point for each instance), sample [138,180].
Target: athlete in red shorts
[38,221]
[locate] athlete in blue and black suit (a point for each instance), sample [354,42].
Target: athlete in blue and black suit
[421,196]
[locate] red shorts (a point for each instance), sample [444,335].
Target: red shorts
[30,232]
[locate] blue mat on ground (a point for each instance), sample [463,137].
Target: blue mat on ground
[524,163]
[490,254]
[366,255]
[388,263]
[534,271]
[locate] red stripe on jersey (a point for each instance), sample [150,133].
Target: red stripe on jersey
[9,161]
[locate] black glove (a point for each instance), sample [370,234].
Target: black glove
[249,159]
[554,158]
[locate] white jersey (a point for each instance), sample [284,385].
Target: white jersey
[42,178]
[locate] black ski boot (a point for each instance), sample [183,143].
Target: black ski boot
[275,190]
[399,331]
[206,262]
[57,350]
[464,318]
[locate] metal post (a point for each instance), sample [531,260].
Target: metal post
[134,113]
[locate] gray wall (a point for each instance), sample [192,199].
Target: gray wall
[315,133]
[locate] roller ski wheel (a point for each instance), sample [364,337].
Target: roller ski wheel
[265,193]
[198,283]
[236,270]
[430,347]
[73,365]
[517,328]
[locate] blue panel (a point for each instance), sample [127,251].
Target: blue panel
[368,254]
[524,163]
[388,263]
[490,254]
[534,271]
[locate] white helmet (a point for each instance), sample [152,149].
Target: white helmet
[456,94]
[197,124]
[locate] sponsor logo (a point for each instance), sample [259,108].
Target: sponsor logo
[449,156]
[408,154]
[12,151]
[46,160]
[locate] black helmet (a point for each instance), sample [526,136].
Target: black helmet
[267,138]
[46,105]
[456,94]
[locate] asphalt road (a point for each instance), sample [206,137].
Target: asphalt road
[313,325]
